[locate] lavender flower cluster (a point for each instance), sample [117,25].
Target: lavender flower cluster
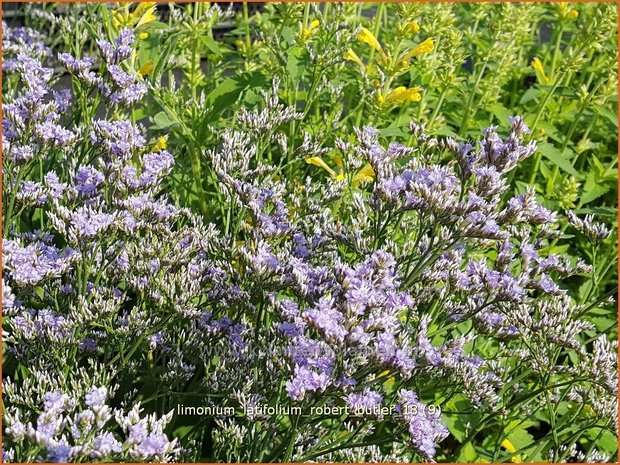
[428,280]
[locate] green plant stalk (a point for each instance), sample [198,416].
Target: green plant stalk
[556,51]
[246,21]
[194,152]
[571,130]
[538,155]
[442,95]
[470,99]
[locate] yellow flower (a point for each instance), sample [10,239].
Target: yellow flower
[339,163]
[412,27]
[352,56]
[363,175]
[318,161]
[506,444]
[540,71]
[161,144]
[143,36]
[148,16]
[425,47]
[403,94]
[142,6]
[143,14]
[566,12]
[367,37]
[146,68]
[307,32]
[120,18]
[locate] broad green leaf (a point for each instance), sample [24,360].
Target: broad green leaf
[529,95]
[467,454]
[447,132]
[392,131]
[593,189]
[211,45]
[224,95]
[520,438]
[606,441]
[557,158]
[501,113]
[598,211]
[294,64]
[162,121]
[608,114]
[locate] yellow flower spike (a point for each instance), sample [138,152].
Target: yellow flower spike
[352,56]
[146,68]
[368,38]
[161,144]
[403,94]
[540,71]
[364,175]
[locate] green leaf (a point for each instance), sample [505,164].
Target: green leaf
[457,422]
[163,58]
[224,96]
[557,158]
[529,95]
[229,91]
[608,114]
[598,211]
[520,438]
[468,454]
[607,441]
[288,33]
[211,45]
[162,121]
[501,113]
[593,189]
[392,132]
[447,132]
[183,431]
[294,64]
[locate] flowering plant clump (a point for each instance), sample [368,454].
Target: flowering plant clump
[236,275]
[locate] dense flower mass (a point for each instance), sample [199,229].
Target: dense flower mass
[319,294]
